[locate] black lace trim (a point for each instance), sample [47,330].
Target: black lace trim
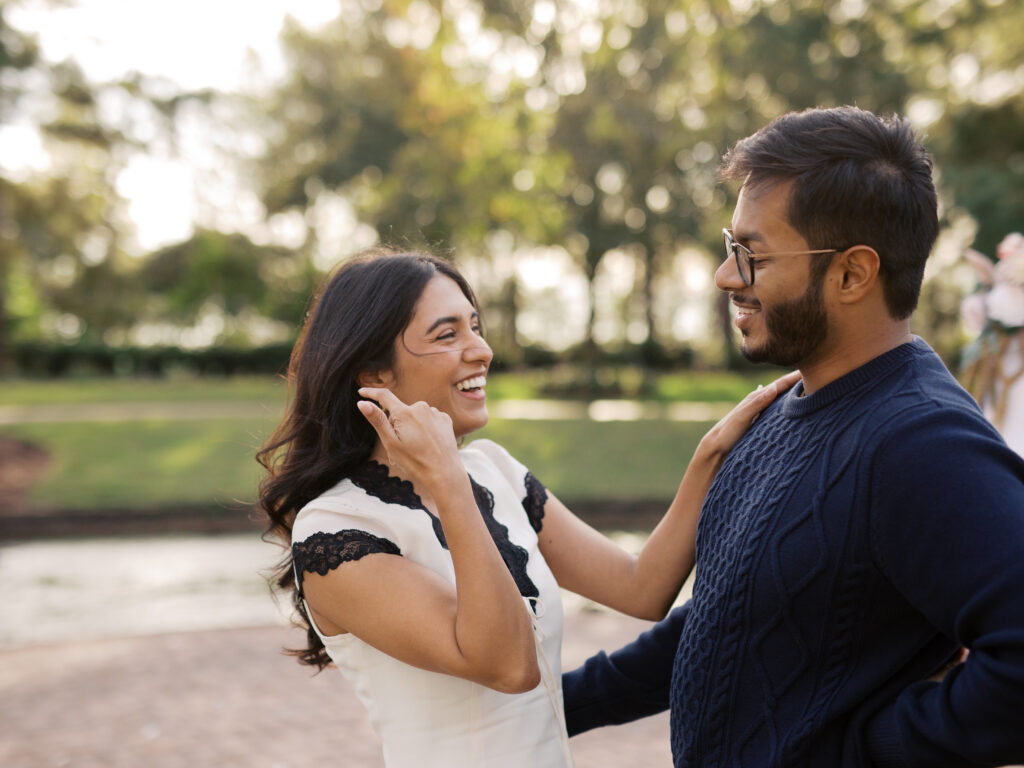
[515,557]
[373,477]
[323,552]
[536,498]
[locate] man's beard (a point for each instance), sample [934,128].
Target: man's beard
[795,329]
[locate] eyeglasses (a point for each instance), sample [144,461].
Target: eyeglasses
[746,258]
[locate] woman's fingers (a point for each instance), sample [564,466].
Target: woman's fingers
[407,432]
[786,381]
[761,397]
[387,399]
[725,434]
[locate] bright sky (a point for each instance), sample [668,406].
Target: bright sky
[193,43]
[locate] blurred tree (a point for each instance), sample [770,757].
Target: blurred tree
[59,251]
[18,52]
[490,126]
[379,110]
[599,126]
[237,287]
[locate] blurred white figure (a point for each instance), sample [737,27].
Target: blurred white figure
[994,362]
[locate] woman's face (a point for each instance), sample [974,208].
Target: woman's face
[441,358]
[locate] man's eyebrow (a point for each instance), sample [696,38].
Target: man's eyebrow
[747,237]
[449,319]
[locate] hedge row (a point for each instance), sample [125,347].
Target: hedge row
[40,359]
[50,360]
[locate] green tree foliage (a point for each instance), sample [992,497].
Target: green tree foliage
[610,139]
[230,276]
[425,155]
[59,247]
[487,126]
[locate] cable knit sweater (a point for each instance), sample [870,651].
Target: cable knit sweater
[851,543]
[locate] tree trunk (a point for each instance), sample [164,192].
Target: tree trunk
[732,354]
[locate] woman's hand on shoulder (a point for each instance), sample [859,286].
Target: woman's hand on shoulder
[721,438]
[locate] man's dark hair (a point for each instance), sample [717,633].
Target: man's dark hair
[859,179]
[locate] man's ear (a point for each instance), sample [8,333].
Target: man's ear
[375,378]
[858,273]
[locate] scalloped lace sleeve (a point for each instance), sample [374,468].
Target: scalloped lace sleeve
[323,552]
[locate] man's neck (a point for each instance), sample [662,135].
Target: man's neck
[849,351]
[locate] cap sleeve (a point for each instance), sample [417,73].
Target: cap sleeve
[328,533]
[530,490]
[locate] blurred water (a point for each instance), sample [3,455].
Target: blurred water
[62,591]
[68,591]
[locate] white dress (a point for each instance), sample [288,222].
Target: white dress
[426,718]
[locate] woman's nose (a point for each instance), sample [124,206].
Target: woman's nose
[478,350]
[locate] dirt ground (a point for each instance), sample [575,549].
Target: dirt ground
[21,464]
[228,698]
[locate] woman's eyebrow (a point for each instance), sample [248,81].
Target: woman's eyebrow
[442,321]
[450,319]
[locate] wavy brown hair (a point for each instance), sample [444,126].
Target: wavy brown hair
[355,318]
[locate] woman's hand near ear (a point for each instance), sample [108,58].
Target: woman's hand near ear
[480,630]
[418,438]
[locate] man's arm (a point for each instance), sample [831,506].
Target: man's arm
[631,683]
[947,523]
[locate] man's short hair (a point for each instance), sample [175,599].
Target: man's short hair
[859,179]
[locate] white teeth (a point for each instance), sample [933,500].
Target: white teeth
[473,383]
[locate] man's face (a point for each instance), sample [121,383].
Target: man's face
[782,316]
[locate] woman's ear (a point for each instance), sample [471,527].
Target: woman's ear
[859,275]
[375,378]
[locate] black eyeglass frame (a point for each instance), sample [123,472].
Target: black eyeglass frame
[747,259]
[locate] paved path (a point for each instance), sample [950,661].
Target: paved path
[96,672]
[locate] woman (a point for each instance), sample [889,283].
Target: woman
[427,573]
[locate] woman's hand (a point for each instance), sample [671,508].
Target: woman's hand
[586,562]
[726,433]
[418,438]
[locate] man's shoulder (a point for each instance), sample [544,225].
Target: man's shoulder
[921,388]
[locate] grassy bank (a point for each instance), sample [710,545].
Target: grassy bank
[150,463]
[703,386]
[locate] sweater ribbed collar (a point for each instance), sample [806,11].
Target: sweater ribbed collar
[797,405]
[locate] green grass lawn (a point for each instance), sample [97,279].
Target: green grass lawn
[150,464]
[701,386]
[183,389]
[145,464]
[153,464]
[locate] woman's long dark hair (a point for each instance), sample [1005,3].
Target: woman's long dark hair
[351,328]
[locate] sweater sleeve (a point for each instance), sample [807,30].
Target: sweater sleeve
[947,530]
[631,683]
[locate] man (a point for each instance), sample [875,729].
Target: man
[870,524]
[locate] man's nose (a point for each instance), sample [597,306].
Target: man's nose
[727,277]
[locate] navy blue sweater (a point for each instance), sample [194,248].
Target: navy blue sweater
[851,543]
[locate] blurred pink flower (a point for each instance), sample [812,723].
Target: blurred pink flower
[1012,244]
[973,313]
[1010,268]
[1000,298]
[1005,304]
[982,265]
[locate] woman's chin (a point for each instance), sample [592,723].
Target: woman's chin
[467,426]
